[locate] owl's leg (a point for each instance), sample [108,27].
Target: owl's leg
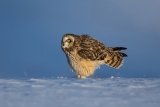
[81,76]
[78,76]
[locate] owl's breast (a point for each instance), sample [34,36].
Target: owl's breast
[73,61]
[81,66]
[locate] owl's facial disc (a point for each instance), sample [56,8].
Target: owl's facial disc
[67,42]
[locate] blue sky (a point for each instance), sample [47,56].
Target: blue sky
[31,32]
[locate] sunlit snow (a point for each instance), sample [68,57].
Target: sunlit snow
[72,92]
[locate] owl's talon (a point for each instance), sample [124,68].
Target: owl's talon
[80,76]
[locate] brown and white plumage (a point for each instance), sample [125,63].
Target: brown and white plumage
[85,54]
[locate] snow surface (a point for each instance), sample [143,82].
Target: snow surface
[72,92]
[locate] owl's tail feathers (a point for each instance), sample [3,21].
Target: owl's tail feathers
[115,58]
[119,48]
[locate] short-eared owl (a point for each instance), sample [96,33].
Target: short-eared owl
[85,54]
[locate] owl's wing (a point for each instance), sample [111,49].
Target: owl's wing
[91,49]
[94,50]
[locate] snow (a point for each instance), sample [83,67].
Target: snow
[73,92]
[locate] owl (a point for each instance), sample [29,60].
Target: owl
[85,54]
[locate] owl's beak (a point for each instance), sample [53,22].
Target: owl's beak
[65,45]
[62,44]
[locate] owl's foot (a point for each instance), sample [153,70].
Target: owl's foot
[80,76]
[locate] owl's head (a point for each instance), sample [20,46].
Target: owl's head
[68,41]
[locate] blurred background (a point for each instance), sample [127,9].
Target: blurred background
[31,32]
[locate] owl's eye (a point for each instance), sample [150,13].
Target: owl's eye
[68,40]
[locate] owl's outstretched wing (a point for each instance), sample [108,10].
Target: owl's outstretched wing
[94,50]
